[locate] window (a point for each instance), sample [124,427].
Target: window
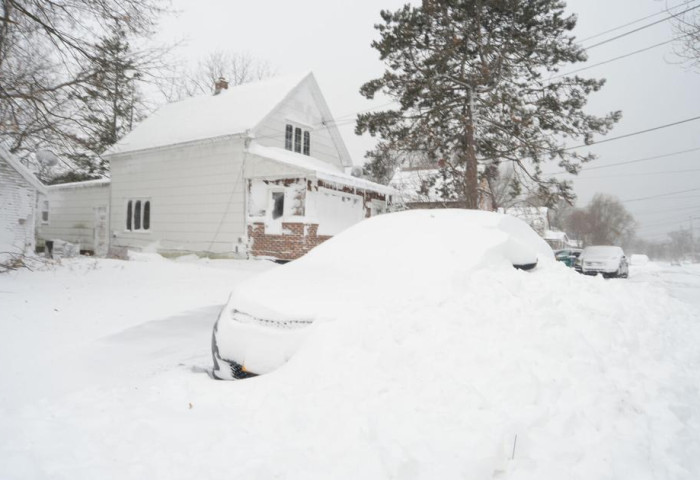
[297,139]
[288,134]
[277,205]
[128,214]
[138,215]
[45,212]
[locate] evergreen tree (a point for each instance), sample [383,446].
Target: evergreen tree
[107,105]
[476,83]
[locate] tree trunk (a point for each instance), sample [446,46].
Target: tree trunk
[471,174]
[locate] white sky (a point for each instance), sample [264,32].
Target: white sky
[332,39]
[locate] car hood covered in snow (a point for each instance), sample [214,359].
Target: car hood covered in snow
[424,253]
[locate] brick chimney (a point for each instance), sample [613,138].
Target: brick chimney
[221,84]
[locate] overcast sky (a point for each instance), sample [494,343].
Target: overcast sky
[332,39]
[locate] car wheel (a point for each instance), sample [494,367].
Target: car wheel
[227,369]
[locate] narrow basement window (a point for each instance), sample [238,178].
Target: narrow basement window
[278,204]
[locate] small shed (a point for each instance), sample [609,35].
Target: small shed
[79,214]
[23,204]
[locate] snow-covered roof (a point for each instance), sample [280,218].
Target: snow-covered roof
[231,112]
[22,170]
[85,184]
[321,169]
[555,235]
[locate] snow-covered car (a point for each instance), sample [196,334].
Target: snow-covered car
[610,261]
[567,256]
[386,258]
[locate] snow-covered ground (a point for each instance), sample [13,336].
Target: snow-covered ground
[512,375]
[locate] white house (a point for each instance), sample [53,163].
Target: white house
[23,203]
[78,213]
[259,169]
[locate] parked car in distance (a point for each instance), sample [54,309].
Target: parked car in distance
[380,260]
[608,260]
[567,256]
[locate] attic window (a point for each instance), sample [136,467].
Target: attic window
[138,215]
[277,205]
[288,137]
[297,139]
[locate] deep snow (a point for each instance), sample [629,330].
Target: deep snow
[543,374]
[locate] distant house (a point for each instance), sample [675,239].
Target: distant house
[558,240]
[78,213]
[419,187]
[23,204]
[259,169]
[536,217]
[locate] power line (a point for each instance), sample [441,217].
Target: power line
[641,28]
[661,195]
[636,21]
[667,210]
[638,160]
[640,132]
[641,174]
[618,58]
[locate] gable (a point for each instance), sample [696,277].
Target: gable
[305,107]
[22,171]
[232,112]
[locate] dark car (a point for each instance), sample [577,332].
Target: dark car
[567,256]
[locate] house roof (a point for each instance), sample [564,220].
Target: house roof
[231,112]
[100,182]
[555,235]
[22,170]
[322,170]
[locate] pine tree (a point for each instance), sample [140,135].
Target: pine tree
[476,83]
[108,104]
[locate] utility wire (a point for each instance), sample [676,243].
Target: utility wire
[641,174]
[640,132]
[587,169]
[614,29]
[618,58]
[660,195]
[641,28]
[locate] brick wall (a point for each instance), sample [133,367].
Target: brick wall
[298,239]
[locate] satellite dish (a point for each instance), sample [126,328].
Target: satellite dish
[356,171]
[46,158]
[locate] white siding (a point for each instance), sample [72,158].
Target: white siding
[17,211]
[334,211]
[196,193]
[72,213]
[300,109]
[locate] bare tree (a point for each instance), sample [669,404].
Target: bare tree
[686,28]
[605,221]
[235,67]
[47,51]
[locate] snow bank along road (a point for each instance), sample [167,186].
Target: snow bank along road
[543,375]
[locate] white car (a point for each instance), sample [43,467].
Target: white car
[383,259]
[610,261]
